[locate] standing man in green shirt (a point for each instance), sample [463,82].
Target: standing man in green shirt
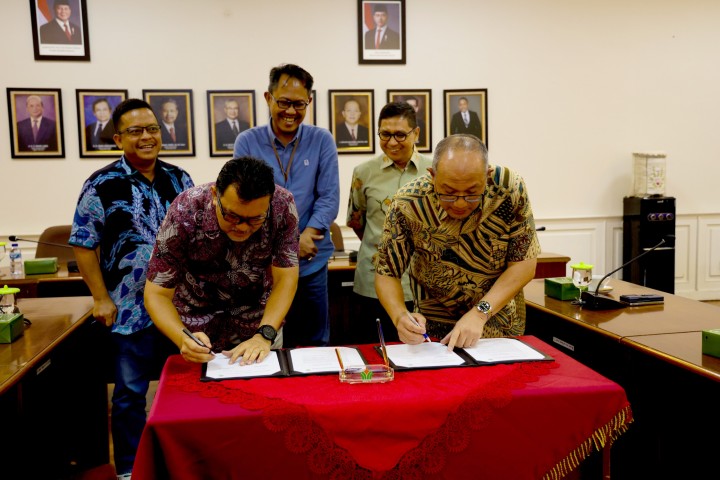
[374,183]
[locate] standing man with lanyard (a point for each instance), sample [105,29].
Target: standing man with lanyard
[304,158]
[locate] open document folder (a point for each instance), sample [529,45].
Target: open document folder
[487,351]
[284,363]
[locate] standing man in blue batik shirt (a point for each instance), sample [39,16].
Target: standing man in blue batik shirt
[118,214]
[305,162]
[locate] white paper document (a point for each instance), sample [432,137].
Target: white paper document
[323,359]
[220,367]
[498,350]
[424,354]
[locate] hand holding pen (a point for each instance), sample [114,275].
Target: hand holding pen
[197,341]
[415,322]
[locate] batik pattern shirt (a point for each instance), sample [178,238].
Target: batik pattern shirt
[222,286]
[453,263]
[120,211]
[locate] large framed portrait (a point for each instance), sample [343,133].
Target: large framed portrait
[229,113]
[173,109]
[95,125]
[59,30]
[311,111]
[421,101]
[36,127]
[381,31]
[466,112]
[351,120]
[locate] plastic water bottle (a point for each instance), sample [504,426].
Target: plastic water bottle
[16,261]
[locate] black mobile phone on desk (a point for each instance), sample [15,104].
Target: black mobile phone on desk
[644,299]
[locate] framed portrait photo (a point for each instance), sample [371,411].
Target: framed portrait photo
[59,30]
[36,128]
[381,31]
[95,125]
[351,120]
[466,112]
[229,113]
[421,101]
[173,109]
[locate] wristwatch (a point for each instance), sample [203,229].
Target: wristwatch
[484,307]
[268,332]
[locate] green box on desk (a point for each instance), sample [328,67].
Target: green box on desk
[711,342]
[41,265]
[11,327]
[561,288]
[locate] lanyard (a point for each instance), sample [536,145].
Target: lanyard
[286,172]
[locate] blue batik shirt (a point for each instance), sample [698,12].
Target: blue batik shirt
[120,211]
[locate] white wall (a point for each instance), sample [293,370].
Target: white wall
[573,87]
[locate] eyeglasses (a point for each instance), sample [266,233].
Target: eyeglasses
[138,131]
[399,136]
[454,198]
[237,219]
[298,105]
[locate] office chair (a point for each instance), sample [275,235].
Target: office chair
[337,238]
[59,234]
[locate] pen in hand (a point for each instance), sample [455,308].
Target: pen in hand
[412,319]
[197,340]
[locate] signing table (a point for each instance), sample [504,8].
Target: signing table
[526,420]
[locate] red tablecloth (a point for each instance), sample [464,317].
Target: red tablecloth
[519,421]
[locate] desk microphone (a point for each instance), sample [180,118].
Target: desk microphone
[540,229]
[71,265]
[597,301]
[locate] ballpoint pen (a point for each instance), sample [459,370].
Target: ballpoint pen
[382,343]
[412,319]
[197,340]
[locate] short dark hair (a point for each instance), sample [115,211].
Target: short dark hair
[252,178]
[127,106]
[100,100]
[379,7]
[292,71]
[399,109]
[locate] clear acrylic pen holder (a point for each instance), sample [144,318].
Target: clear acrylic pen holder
[375,373]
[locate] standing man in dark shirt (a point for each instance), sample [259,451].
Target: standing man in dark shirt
[118,214]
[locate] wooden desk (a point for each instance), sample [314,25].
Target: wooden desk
[438,424]
[59,284]
[655,353]
[53,395]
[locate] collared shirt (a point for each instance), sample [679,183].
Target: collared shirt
[453,263]
[222,286]
[374,183]
[313,178]
[120,211]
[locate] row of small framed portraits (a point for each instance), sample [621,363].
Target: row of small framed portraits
[36,120]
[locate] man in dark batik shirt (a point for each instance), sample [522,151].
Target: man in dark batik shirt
[225,265]
[120,209]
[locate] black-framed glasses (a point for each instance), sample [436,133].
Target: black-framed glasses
[399,136]
[237,219]
[298,105]
[138,131]
[454,198]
